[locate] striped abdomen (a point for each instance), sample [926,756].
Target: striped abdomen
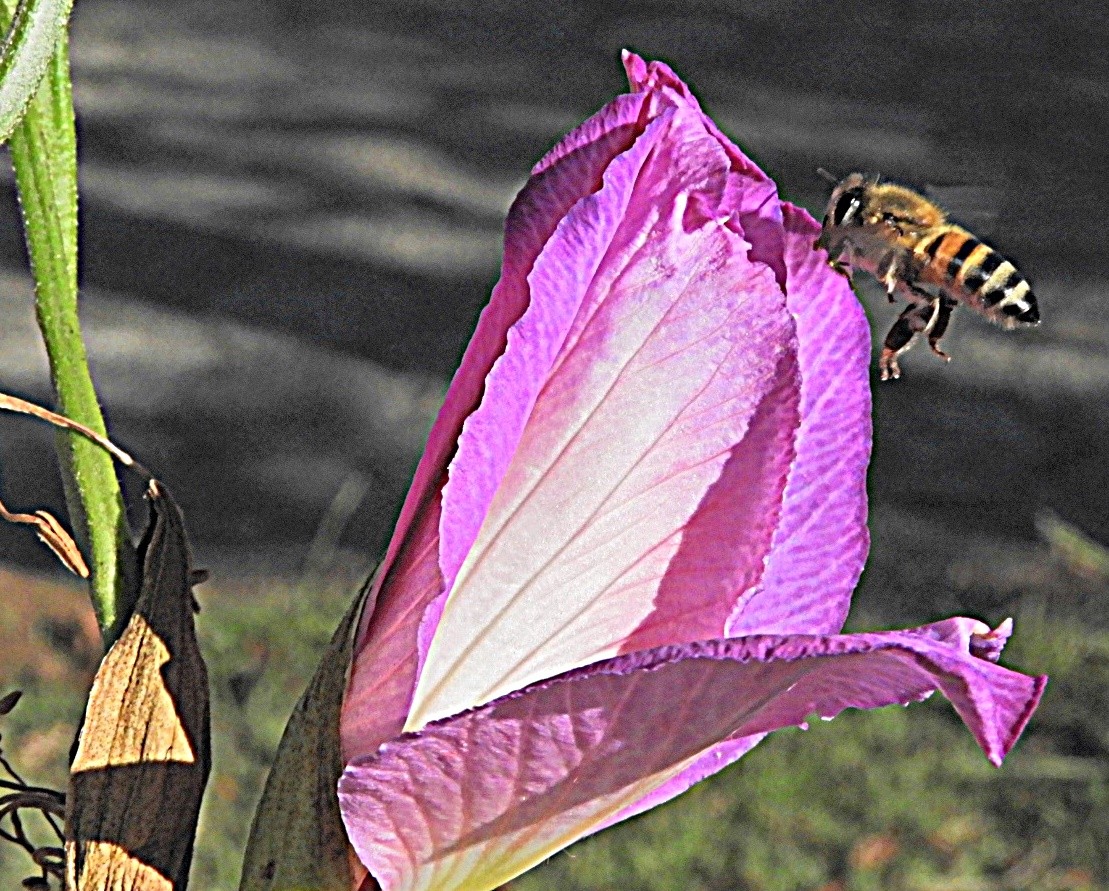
[981,276]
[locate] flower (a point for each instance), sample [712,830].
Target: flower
[631,542]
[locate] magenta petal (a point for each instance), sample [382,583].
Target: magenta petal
[712,760]
[391,646]
[649,475]
[569,172]
[821,542]
[559,199]
[743,560]
[478,798]
[386,662]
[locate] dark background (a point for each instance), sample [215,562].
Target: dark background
[291,216]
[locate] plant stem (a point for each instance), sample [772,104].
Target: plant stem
[44,155]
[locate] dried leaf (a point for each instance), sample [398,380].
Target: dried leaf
[50,531]
[23,407]
[52,534]
[144,754]
[297,840]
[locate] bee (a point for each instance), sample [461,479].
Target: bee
[905,241]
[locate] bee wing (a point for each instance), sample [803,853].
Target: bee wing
[976,208]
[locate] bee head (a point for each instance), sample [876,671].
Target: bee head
[846,203]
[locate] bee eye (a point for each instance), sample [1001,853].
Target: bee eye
[847,207]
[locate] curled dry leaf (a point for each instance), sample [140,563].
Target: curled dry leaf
[49,530]
[52,534]
[23,407]
[143,755]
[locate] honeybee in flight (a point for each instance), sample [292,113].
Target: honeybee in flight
[905,241]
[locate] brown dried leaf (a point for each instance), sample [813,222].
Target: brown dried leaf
[144,754]
[297,840]
[23,407]
[52,534]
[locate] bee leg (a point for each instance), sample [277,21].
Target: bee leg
[915,318]
[836,255]
[940,320]
[891,273]
[889,279]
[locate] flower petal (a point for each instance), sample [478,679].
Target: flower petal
[478,798]
[821,545]
[485,445]
[437,526]
[654,459]
[751,196]
[391,646]
[822,540]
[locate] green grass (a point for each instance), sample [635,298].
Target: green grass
[261,648]
[896,799]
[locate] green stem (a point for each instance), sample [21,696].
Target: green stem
[35,28]
[44,154]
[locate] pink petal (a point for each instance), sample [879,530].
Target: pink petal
[476,799]
[386,661]
[558,199]
[822,540]
[821,543]
[391,646]
[653,460]
[569,172]
[750,196]
[712,760]
[724,542]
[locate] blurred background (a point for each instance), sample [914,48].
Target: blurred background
[291,216]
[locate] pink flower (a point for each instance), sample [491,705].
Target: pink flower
[631,543]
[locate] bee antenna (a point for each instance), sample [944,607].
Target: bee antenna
[834,180]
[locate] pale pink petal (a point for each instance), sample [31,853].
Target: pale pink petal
[751,197]
[476,799]
[725,541]
[391,646]
[821,544]
[822,540]
[557,215]
[675,387]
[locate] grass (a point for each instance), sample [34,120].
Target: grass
[895,799]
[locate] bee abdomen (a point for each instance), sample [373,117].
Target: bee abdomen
[990,282]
